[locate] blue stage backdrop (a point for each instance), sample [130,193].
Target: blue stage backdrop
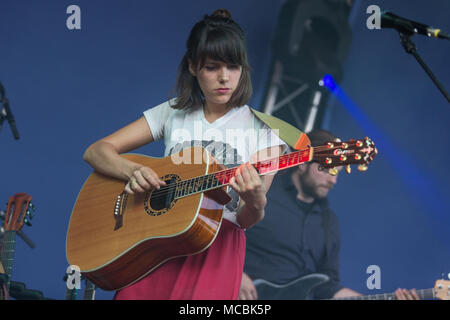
[68,88]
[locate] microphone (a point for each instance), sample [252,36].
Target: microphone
[390,20]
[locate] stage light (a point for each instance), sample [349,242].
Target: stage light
[328,82]
[422,185]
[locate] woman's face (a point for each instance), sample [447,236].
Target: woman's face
[218,80]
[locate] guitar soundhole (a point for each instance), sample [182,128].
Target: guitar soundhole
[160,201]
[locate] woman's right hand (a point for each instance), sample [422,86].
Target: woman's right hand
[143,179]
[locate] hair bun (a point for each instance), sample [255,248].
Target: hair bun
[222,13]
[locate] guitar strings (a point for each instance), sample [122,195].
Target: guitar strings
[227,174]
[224,175]
[220,176]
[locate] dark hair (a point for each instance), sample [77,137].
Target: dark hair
[319,137]
[220,38]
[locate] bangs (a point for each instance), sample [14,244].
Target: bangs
[222,46]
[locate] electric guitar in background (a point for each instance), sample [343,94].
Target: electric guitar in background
[116,239]
[300,289]
[441,290]
[17,214]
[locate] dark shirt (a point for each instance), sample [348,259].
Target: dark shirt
[291,242]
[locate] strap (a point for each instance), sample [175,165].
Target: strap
[288,133]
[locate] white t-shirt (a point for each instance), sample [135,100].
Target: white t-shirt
[232,139]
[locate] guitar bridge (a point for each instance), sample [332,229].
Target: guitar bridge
[119,209]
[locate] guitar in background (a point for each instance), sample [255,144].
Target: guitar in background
[89,290]
[18,213]
[300,289]
[4,295]
[3,291]
[441,290]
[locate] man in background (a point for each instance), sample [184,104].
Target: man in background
[299,234]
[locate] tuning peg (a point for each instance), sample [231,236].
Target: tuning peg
[344,145]
[30,214]
[359,143]
[343,157]
[358,156]
[333,171]
[363,167]
[348,169]
[330,145]
[328,161]
[27,222]
[32,206]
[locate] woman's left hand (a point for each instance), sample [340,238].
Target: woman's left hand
[249,185]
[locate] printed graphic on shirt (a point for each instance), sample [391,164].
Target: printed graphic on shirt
[224,153]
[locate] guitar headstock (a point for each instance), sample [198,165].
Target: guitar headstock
[335,154]
[18,212]
[442,289]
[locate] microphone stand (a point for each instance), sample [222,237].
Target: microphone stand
[411,48]
[6,113]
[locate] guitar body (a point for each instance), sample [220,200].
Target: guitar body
[298,289]
[116,239]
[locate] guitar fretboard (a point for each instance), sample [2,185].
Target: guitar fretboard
[7,254]
[221,178]
[424,294]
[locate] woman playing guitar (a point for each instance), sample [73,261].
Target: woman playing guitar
[213,87]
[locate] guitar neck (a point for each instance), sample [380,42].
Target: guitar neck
[221,178]
[89,291]
[71,294]
[423,294]
[7,253]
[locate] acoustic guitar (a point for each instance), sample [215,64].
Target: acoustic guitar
[17,214]
[116,239]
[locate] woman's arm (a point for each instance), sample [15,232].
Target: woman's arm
[252,188]
[104,157]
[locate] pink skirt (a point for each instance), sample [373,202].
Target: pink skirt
[214,274]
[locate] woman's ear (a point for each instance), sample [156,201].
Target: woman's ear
[191,68]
